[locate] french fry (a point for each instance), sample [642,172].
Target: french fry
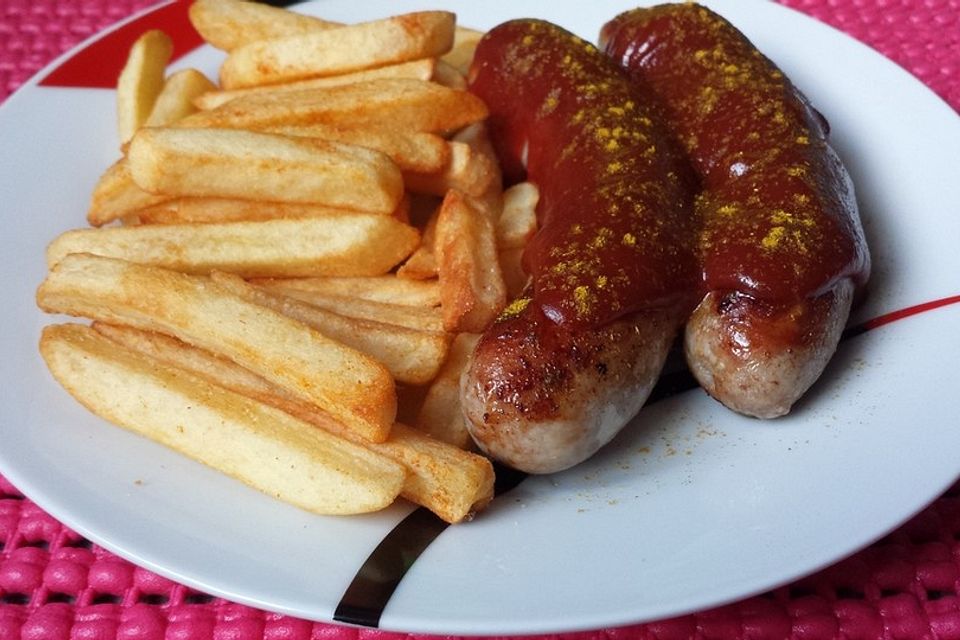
[420,318]
[176,98]
[449,76]
[347,244]
[422,264]
[410,150]
[216,369]
[450,482]
[365,45]
[403,104]
[515,278]
[402,213]
[518,219]
[465,42]
[441,416]
[389,288]
[477,137]
[116,195]
[141,81]
[353,387]
[258,166]
[192,209]
[416,69]
[261,446]
[410,355]
[467,170]
[228,24]
[472,291]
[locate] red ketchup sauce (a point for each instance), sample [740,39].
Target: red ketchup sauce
[778,216]
[616,228]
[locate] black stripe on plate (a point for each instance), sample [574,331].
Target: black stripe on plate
[365,599]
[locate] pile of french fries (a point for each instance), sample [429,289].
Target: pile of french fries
[286,262]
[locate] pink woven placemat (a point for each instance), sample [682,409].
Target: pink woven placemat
[55,585]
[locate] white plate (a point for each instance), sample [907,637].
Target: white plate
[691,508]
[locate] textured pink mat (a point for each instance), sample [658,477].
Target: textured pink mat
[54,585]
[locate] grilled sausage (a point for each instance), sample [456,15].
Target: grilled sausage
[780,243]
[541,397]
[612,266]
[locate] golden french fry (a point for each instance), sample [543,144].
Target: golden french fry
[403,104]
[472,291]
[141,81]
[515,277]
[176,98]
[365,45]
[518,219]
[410,355]
[449,76]
[416,69]
[259,166]
[192,209]
[453,483]
[353,244]
[261,446]
[409,150]
[440,414]
[450,482]
[465,42]
[213,368]
[402,212]
[422,265]
[468,171]
[116,195]
[219,370]
[353,387]
[389,289]
[228,24]
[419,318]
[477,137]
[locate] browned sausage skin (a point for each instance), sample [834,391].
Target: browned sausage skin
[780,245]
[612,266]
[541,397]
[759,359]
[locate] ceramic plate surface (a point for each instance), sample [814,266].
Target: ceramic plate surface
[690,507]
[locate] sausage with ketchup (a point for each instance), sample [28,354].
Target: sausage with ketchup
[613,266]
[781,246]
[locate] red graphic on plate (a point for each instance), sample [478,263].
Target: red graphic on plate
[900,314]
[98,65]
[910,311]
